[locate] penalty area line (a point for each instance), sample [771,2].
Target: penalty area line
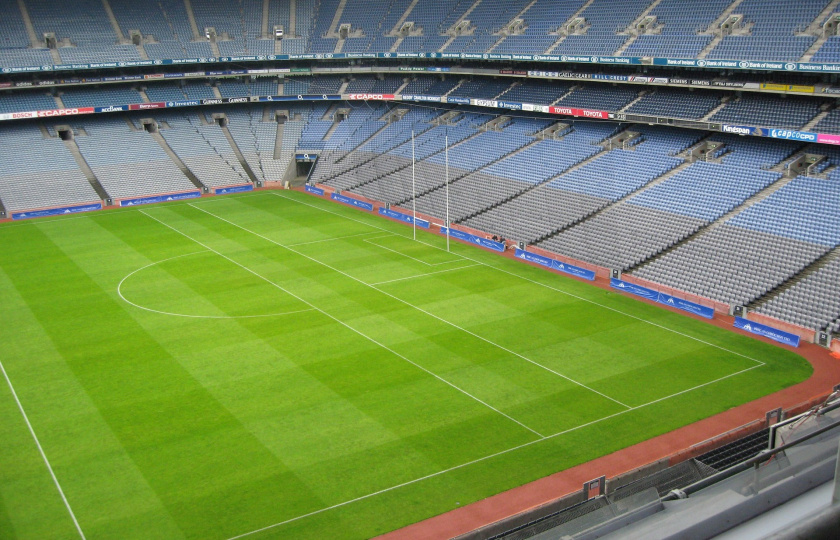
[339,321]
[640,319]
[43,454]
[421,275]
[417,308]
[485,458]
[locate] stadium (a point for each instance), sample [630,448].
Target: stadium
[419,269]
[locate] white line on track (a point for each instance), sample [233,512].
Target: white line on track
[342,323]
[138,306]
[409,304]
[422,275]
[759,362]
[479,460]
[41,450]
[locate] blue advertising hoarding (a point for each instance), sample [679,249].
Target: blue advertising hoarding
[313,189]
[352,202]
[403,217]
[638,290]
[662,298]
[559,266]
[767,331]
[64,210]
[685,305]
[160,198]
[473,239]
[234,189]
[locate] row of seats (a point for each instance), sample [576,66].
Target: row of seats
[682,29]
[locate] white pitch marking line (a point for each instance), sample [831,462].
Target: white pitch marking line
[332,239]
[485,458]
[537,283]
[316,308]
[125,211]
[41,450]
[371,241]
[127,301]
[500,347]
[422,275]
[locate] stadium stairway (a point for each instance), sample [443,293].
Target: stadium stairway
[816,29]
[826,109]
[453,35]
[806,272]
[622,200]
[114,24]
[177,161]
[511,21]
[540,185]
[239,156]
[725,100]
[278,141]
[265,31]
[390,116]
[85,168]
[375,156]
[631,31]
[408,164]
[562,37]
[758,197]
[714,29]
[455,179]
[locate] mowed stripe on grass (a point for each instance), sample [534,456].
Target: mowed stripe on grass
[212,428]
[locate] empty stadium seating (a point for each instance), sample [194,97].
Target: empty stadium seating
[680,30]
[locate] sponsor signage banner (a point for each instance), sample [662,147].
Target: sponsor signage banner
[65,112]
[306,157]
[555,265]
[586,113]
[741,130]
[161,198]
[373,97]
[352,202]
[146,106]
[485,102]
[458,100]
[17,115]
[512,106]
[612,60]
[316,190]
[57,211]
[767,331]
[111,108]
[662,298]
[234,189]
[410,97]
[403,217]
[644,292]
[790,135]
[473,239]
[685,305]
[828,139]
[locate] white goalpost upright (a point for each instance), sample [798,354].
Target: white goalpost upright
[447,192]
[413,190]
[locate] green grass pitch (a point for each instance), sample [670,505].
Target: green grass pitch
[275,365]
